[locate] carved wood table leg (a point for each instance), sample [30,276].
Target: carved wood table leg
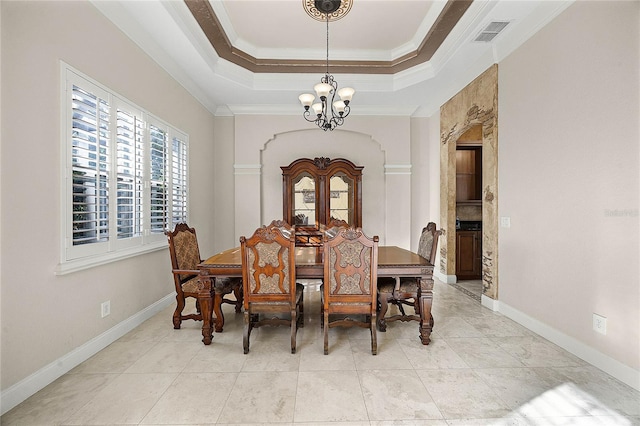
[425,300]
[205,302]
[384,305]
[217,309]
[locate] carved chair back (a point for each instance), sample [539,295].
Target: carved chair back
[269,280]
[350,281]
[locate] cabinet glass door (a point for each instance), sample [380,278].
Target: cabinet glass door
[304,200]
[341,200]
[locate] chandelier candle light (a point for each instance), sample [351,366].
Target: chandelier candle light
[328,115]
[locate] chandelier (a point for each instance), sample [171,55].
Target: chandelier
[329,113]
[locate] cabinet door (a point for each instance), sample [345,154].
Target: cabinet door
[341,197]
[304,201]
[468,265]
[468,174]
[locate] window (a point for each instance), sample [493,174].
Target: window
[125,176]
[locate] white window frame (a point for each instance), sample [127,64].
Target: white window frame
[78,257]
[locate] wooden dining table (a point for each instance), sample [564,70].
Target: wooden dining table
[392,262]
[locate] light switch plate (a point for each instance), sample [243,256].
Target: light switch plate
[600,323]
[505,222]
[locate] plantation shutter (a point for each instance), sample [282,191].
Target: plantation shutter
[179,157]
[130,169]
[90,167]
[158,179]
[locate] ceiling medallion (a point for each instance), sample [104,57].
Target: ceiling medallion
[320,9]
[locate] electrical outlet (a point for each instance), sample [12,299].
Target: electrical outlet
[600,323]
[505,222]
[105,308]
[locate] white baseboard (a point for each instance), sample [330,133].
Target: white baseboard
[490,303]
[447,279]
[615,368]
[22,390]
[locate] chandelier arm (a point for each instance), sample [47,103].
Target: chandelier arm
[306,114]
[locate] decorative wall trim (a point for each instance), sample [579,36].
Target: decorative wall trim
[397,169]
[615,368]
[247,169]
[25,388]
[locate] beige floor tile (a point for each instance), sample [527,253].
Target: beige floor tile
[218,357]
[482,353]
[125,400]
[192,398]
[329,396]
[537,352]
[462,394]
[515,386]
[390,356]
[312,357]
[263,396]
[396,395]
[604,388]
[408,423]
[58,401]
[271,355]
[115,358]
[438,354]
[166,357]
[455,326]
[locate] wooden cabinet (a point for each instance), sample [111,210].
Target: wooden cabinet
[314,191]
[468,174]
[469,255]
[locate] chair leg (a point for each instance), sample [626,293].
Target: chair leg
[247,331]
[177,314]
[302,310]
[239,299]
[326,332]
[374,335]
[294,324]
[384,305]
[321,307]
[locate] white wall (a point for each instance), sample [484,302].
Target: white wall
[46,317]
[568,161]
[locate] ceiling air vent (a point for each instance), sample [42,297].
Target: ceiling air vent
[491,31]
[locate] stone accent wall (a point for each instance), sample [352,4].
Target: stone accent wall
[476,104]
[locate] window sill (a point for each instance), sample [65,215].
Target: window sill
[81,264]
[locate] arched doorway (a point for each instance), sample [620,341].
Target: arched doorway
[473,111]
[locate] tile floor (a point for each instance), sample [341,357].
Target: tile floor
[480,369]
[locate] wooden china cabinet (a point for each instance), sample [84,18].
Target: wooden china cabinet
[314,191]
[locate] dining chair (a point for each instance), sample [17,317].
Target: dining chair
[185,257]
[405,291]
[271,295]
[334,226]
[350,271]
[285,228]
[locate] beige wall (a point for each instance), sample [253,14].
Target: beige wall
[381,144]
[44,316]
[568,158]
